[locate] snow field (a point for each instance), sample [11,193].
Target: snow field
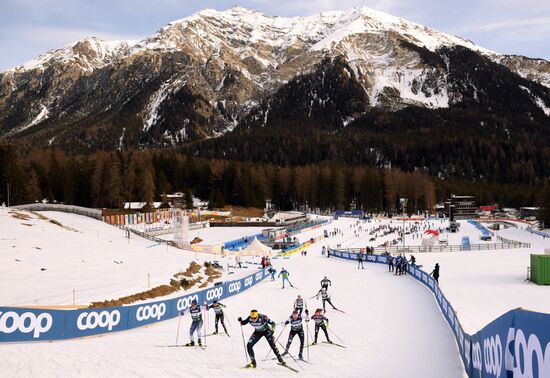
[391,328]
[89,256]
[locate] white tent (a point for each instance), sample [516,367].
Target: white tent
[256,248]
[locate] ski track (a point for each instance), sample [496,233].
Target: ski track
[392,328]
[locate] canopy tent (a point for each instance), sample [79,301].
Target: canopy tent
[256,248]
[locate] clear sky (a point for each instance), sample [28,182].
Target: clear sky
[31,27]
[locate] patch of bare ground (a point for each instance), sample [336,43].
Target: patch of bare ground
[20,216]
[53,221]
[183,280]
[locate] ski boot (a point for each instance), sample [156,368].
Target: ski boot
[285,352]
[200,342]
[192,343]
[215,332]
[328,341]
[252,364]
[300,357]
[314,343]
[281,361]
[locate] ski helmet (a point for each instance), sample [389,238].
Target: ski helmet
[194,302]
[254,314]
[215,301]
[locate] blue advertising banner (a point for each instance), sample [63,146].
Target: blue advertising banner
[516,344]
[25,324]
[79,323]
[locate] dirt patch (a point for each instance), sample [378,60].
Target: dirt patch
[53,221]
[186,284]
[158,291]
[183,280]
[20,216]
[27,224]
[40,216]
[212,273]
[193,268]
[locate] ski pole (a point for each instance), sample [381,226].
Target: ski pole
[307,339]
[307,330]
[277,339]
[204,323]
[178,333]
[244,345]
[291,356]
[229,322]
[335,335]
[228,316]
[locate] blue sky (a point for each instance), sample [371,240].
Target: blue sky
[29,28]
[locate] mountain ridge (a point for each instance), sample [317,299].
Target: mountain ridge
[201,76]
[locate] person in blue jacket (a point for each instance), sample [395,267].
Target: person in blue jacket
[196,324]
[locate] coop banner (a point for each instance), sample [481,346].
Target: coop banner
[379,259]
[20,324]
[516,344]
[25,324]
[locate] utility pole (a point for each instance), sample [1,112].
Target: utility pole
[403,202]
[8,192]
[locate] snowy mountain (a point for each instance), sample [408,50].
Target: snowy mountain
[201,76]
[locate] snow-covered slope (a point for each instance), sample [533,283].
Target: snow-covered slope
[88,54]
[242,27]
[43,259]
[384,338]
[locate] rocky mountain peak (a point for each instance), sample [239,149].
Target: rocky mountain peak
[201,76]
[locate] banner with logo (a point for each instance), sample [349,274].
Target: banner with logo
[25,324]
[516,344]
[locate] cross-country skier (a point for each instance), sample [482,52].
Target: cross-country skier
[218,310]
[196,324]
[285,275]
[321,322]
[325,283]
[263,327]
[299,304]
[325,297]
[296,328]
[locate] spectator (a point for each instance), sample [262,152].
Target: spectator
[435,273]
[360,260]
